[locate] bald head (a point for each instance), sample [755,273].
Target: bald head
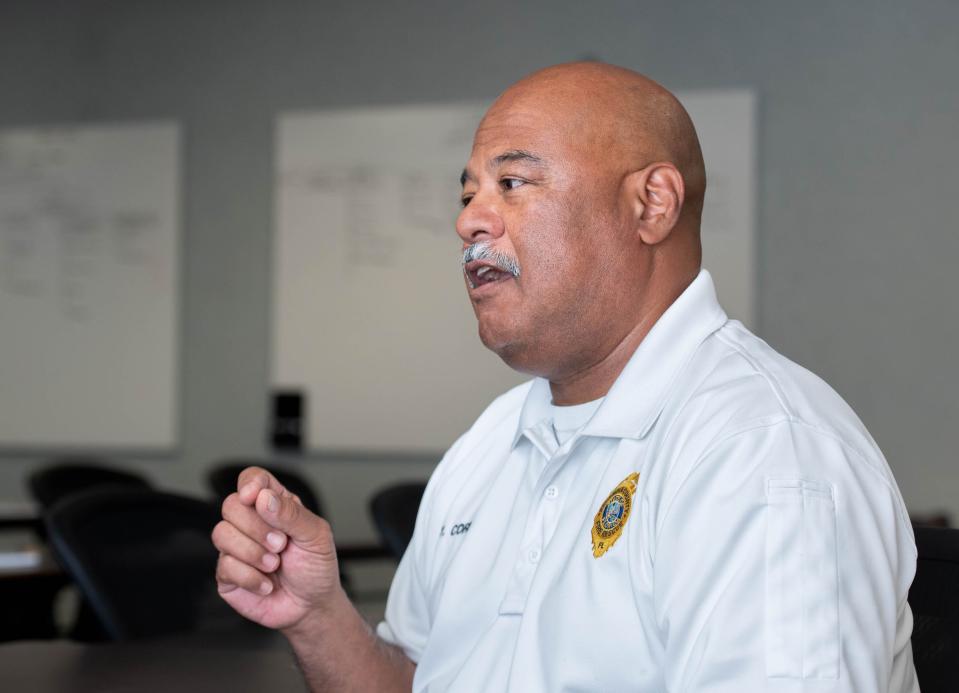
[620,114]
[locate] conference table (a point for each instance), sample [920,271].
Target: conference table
[19,515]
[175,665]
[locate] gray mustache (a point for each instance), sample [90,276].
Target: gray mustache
[483,250]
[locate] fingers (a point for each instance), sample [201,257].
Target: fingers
[248,522]
[252,480]
[287,514]
[231,541]
[232,573]
[248,549]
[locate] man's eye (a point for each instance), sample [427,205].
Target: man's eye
[511,183]
[465,200]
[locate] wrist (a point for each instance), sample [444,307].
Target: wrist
[328,614]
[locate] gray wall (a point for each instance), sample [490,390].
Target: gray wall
[858,144]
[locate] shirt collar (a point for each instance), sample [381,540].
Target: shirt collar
[635,400]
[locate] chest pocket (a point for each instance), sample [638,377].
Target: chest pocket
[802,580]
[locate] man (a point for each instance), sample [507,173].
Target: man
[669,506]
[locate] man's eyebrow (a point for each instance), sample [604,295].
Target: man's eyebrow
[516,155]
[506,157]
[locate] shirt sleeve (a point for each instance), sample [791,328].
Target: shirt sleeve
[406,622]
[782,562]
[408,618]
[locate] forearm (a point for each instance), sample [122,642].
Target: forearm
[338,651]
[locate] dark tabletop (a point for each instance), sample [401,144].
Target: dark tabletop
[171,666]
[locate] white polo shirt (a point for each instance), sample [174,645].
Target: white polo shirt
[766,546]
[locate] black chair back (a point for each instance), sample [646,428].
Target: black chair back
[222,480]
[934,598]
[143,559]
[394,511]
[68,476]
[62,479]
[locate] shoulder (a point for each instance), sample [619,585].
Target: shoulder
[740,409]
[738,385]
[745,427]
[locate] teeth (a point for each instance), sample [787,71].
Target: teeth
[483,270]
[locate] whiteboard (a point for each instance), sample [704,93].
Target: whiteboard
[88,286]
[371,322]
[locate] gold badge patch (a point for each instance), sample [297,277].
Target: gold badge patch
[613,513]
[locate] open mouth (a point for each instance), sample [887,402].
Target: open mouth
[480,273]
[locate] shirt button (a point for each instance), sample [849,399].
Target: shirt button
[551,492]
[533,555]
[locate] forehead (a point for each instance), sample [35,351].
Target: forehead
[529,127]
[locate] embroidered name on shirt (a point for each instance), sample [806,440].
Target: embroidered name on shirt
[461,528]
[613,513]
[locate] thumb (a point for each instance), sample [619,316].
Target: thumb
[283,512]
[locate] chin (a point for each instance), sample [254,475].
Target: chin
[493,339]
[498,342]
[513,353]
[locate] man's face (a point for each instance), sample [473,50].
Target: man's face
[535,191]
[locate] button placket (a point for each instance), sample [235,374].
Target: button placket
[539,525]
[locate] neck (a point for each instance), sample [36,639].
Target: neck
[593,379]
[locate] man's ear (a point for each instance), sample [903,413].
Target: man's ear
[656,194]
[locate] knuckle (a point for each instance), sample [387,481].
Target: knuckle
[322,525]
[324,531]
[221,571]
[249,474]
[217,535]
[233,572]
[253,553]
[229,503]
[288,510]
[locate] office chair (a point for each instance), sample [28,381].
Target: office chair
[67,476]
[143,559]
[61,479]
[394,511]
[934,598]
[222,480]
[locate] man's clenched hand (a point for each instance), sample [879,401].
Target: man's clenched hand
[277,560]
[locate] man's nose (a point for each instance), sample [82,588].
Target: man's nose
[478,221]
